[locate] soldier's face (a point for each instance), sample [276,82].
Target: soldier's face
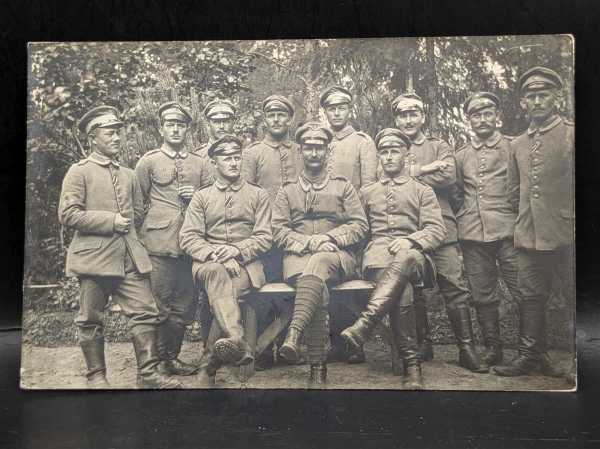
[539,103]
[392,159]
[484,121]
[106,141]
[174,131]
[228,166]
[410,122]
[220,126]
[338,115]
[314,156]
[277,122]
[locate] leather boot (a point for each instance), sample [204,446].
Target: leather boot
[146,354]
[318,375]
[532,328]
[489,322]
[177,366]
[93,353]
[423,329]
[234,348]
[402,322]
[309,290]
[387,291]
[460,320]
[208,369]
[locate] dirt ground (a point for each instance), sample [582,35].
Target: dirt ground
[63,368]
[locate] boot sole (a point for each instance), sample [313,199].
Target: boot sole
[227,351]
[288,354]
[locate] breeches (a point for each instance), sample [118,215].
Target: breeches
[173,288]
[214,279]
[484,263]
[449,276]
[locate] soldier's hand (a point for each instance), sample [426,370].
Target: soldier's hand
[186,192]
[122,224]
[233,267]
[328,247]
[316,241]
[224,253]
[400,244]
[434,166]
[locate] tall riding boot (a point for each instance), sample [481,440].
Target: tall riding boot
[146,354]
[176,366]
[316,335]
[460,320]
[234,348]
[423,329]
[93,353]
[309,291]
[402,321]
[387,291]
[532,327]
[489,322]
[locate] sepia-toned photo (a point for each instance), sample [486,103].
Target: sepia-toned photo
[369,214]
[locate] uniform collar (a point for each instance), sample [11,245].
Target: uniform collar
[316,184]
[399,180]
[546,127]
[172,153]
[268,140]
[102,160]
[224,185]
[490,142]
[344,132]
[419,139]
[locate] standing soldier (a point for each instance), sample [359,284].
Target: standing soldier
[541,190]
[406,227]
[226,229]
[273,162]
[219,115]
[317,222]
[169,176]
[102,201]
[484,217]
[431,160]
[353,156]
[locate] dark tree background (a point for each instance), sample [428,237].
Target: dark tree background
[66,79]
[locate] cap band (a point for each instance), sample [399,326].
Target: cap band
[102,121]
[337,98]
[408,104]
[390,141]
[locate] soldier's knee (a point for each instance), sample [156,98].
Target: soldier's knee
[212,271]
[320,264]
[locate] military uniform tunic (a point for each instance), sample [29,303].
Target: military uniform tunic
[541,186]
[270,164]
[400,208]
[353,156]
[329,206]
[234,214]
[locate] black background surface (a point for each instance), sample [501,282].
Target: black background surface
[256,419]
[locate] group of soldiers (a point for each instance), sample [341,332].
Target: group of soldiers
[328,205]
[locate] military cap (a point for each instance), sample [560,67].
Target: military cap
[99,117]
[278,103]
[228,144]
[407,102]
[540,78]
[480,100]
[174,111]
[313,133]
[219,109]
[391,137]
[335,95]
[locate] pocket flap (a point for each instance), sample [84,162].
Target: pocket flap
[83,245]
[161,224]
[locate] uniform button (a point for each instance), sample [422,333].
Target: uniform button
[480,175]
[536,195]
[535,159]
[480,196]
[481,188]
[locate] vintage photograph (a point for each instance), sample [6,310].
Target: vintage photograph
[369,214]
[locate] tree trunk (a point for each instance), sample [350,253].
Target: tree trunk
[431,80]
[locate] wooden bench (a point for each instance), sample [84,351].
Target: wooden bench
[280,294]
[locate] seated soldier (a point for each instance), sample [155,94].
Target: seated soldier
[226,228]
[317,221]
[406,224]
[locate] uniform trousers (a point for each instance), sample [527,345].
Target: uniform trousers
[173,288]
[449,276]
